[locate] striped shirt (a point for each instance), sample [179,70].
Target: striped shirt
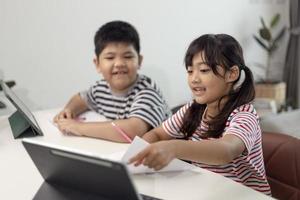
[143,100]
[248,168]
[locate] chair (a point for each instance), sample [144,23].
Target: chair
[282,162]
[176,108]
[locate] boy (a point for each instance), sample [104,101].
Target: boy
[133,102]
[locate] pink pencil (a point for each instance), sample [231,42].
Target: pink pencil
[119,130]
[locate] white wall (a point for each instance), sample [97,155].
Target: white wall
[47,45]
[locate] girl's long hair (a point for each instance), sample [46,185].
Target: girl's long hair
[218,50]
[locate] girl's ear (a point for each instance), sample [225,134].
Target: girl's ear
[140,61]
[233,74]
[97,65]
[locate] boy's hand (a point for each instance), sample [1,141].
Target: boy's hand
[64,114]
[69,126]
[156,155]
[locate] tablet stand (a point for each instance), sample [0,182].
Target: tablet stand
[20,126]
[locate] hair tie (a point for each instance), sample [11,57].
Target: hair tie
[241,66]
[241,80]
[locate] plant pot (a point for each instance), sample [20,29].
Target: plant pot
[274,91]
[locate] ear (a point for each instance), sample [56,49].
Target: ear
[97,65]
[233,74]
[140,61]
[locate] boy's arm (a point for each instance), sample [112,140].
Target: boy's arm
[74,107]
[105,130]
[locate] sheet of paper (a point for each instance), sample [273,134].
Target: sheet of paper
[91,116]
[137,145]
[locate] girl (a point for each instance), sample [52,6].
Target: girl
[219,130]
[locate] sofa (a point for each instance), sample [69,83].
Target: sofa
[282,162]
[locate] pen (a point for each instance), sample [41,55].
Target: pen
[119,130]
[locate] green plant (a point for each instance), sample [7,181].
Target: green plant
[268,41]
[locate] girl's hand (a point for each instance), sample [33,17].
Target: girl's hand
[69,126]
[64,114]
[156,155]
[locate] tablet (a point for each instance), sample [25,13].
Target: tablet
[22,122]
[71,174]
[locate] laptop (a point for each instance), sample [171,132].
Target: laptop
[70,174]
[22,122]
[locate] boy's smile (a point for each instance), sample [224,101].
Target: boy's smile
[118,63]
[119,72]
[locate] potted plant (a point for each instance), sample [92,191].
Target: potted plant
[266,87]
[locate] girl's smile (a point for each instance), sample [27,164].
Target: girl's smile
[198,91]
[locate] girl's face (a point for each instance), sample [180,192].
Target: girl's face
[207,87]
[118,63]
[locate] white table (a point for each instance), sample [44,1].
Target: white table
[19,178]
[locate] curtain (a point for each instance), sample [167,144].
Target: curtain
[292,61]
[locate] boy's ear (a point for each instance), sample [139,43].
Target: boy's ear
[140,61]
[96,62]
[233,74]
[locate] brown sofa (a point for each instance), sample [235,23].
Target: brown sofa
[282,162]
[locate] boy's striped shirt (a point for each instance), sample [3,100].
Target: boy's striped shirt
[143,100]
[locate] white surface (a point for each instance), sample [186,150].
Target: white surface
[20,179]
[47,46]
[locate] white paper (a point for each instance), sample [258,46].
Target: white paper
[89,116]
[137,145]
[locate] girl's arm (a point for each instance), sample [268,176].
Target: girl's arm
[214,152]
[156,135]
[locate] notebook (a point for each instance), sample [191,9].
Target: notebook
[22,122]
[70,174]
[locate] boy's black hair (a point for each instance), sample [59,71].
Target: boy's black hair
[116,31]
[218,50]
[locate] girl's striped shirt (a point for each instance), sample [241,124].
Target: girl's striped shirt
[243,122]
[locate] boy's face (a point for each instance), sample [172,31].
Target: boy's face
[118,63]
